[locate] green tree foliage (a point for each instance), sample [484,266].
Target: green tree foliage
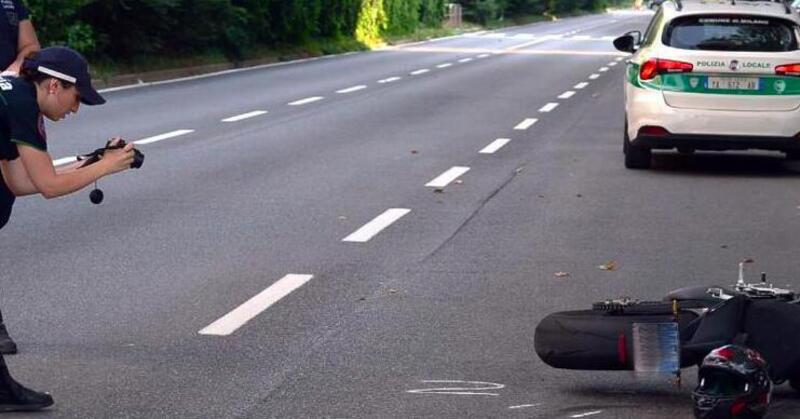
[125,29]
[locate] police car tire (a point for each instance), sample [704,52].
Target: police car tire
[635,157]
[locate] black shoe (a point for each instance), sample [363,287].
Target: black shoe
[7,346]
[14,397]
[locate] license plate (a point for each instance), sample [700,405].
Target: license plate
[733,83]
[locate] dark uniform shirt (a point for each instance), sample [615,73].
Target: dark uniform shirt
[21,122]
[13,12]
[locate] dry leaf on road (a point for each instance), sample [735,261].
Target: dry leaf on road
[608,266]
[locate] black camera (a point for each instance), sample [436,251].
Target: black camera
[94,156]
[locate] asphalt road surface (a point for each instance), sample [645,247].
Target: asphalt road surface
[376,235]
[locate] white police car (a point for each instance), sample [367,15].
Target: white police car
[713,75]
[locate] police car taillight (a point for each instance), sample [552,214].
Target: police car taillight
[788,70]
[655,66]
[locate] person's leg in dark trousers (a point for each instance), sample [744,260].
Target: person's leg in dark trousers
[15,397]
[7,346]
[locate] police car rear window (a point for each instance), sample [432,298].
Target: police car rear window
[731,33]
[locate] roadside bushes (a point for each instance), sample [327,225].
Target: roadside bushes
[127,29]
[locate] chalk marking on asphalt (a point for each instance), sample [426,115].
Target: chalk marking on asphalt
[549,107]
[478,388]
[448,176]
[580,85]
[165,136]
[445,65]
[465,60]
[369,230]
[390,80]
[244,116]
[352,89]
[583,415]
[527,123]
[522,406]
[603,69]
[494,146]
[420,71]
[566,95]
[594,76]
[306,101]
[237,318]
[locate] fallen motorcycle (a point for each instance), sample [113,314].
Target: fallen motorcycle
[677,332]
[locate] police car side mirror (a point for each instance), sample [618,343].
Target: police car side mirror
[628,42]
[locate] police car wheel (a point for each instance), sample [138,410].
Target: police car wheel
[635,157]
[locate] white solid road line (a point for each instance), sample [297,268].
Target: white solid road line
[244,116]
[525,124]
[420,71]
[369,230]
[445,178]
[445,65]
[352,89]
[549,107]
[228,323]
[494,146]
[603,69]
[566,95]
[168,135]
[594,76]
[389,80]
[580,85]
[306,101]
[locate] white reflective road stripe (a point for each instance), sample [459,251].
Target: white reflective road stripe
[549,107]
[594,76]
[445,65]
[495,145]
[527,123]
[352,89]
[389,80]
[244,116]
[465,60]
[228,323]
[445,178]
[377,224]
[418,72]
[603,69]
[566,95]
[580,85]
[306,100]
[165,136]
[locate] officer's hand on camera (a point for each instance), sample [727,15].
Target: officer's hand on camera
[118,155]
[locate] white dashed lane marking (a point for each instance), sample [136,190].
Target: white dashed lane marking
[165,136]
[306,101]
[612,64]
[389,80]
[420,71]
[232,321]
[603,69]
[583,415]
[244,116]
[549,107]
[352,89]
[445,178]
[369,230]
[566,95]
[580,85]
[594,76]
[483,55]
[525,124]
[445,65]
[495,145]
[465,60]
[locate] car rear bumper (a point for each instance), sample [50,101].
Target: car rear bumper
[705,129]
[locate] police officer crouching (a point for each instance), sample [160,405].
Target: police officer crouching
[52,84]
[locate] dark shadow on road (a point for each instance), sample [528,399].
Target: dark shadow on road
[728,164]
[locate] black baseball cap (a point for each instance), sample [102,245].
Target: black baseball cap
[68,65]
